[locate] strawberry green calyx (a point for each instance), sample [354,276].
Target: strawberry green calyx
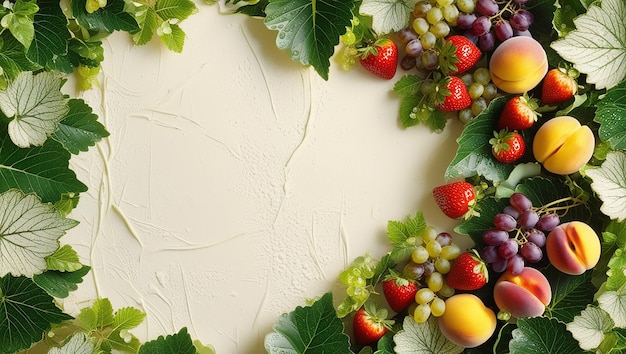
[447,57]
[378,315]
[481,267]
[500,140]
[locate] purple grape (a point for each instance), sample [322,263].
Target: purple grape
[537,237]
[487,7]
[500,265]
[522,33]
[520,2]
[519,22]
[548,222]
[414,47]
[465,20]
[520,202]
[504,222]
[481,26]
[429,268]
[413,270]
[408,62]
[430,59]
[528,219]
[531,252]
[503,30]
[407,34]
[508,248]
[444,239]
[487,42]
[490,254]
[471,36]
[529,15]
[495,237]
[511,211]
[515,264]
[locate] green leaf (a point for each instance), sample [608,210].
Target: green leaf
[128,318]
[616,276]
[179,343]
[175,9]
[385,345]
[388,15]
[570,294]
[476,225]
[64,259]
[98,316]
[614,303]
[147,21]
[312,329]
[611,115]
[565,13]
[29,232]
[36,106]
[67,203]
[110,18]
[87,53]
[541,335]
[413,109]
[26,313]
[43,170]
[203,349]
[80,128]
[589,327]
[51,34]
[172,36]
[13,58]
[546,190]
[423,338]
[597,47]
[21,27]
[60,284]
[310,30]
[474,157]
[405,235]
[76,344]
[276,343]
[609,182]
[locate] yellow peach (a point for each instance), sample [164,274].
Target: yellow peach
[563,146]
[467,322]
[523,295]
[573,247]
[518,64]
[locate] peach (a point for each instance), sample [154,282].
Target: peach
[467,322]
[518,64]
[573,247]
[563,146]
[523,295]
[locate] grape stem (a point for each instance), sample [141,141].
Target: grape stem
[506,8]
[552,206]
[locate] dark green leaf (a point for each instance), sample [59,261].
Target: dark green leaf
[51,34]
[570,294]
[175,9]
[541,335]
[80,128]
[565,13]
[256,10]
[382,269]
[85,53]
[385,344]
[179,343]
[59,284]
[110,18]
[611,115]
[26,313]
[310,30]
[476,225]
[12,57]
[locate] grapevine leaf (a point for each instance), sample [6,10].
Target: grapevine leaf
[36,105]
[570,294]
[43,170]
[175,9]
[77,344]
[110,18]
[541,335]
[476,225]
[609,182]
[423,338]
[597,47]
[589,327]
[65,259]
[388,15]
[311,328]
[179,343]
[147,20]
[13,59]
[29,232]
[80,128]
[67,203]
[611,115]
[614,303]
[128,318]
[60,284]
[26,313]
[98,316]
[309,29]
[474,157]
[51,34]
[172,36]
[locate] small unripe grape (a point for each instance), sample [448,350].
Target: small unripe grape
[466,5]
[444,238]
[420,25]
[437,307]
[482,76]
[476,90]
[442,265]
[465,115]
[428,40]
[450,14]
[424,296]
[435,281]
[450,252]
[434,248]
[490,91]
[440,29]
[446,290]
[419,255]
[421,313]
[413,271]
[478,105]
[421,8]
[434,15]
[430,233]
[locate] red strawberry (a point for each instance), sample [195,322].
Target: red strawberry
[458,98]
[457,55]
[399,292]
[370,324]
[558,87]
[507,146]
[468,272]
[381,59]
[518,113]
[455,199]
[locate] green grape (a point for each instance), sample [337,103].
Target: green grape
[450,252]
[420,25]
[482,75]
[360,294]
[426,88]
[440,29]
[435,281]
[346,277]
[368,272]
[442,265]
[434,15]
[358,282]
[467,79]
[490,91]
[434,248]
[419,255]
[348,38]
[450,13]
[443,3]
[466,5]
[430,234]
[421,313]
[475,90]
[465,115]
[446,290]
[424,296]
[437,307]
[430,58]
[478,105]
[421,8]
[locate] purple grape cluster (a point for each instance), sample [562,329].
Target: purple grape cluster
[518,235]
[492,21]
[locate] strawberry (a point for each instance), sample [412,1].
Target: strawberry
[455,199]
[558,86]
[519,113]
[506,146]
[381,59]
[455,95]
[457,55]
[370,324]
[468,272]
[399,292]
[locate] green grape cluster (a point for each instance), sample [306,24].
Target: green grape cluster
[481,90]
[356,277]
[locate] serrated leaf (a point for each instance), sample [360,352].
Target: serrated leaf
[570,294]
[64,259]
[60,284]
[614,303]
[310,30]
[51,34]
[13,58]
[408,85]
[26,313]
[128,318]
[546,190]
[609,182]
[21,27]
[147,21]
[67,203]
[312,328]
[597,47]
[611,113]
[616,275]
[589,327]
[541,335]
[175,9]
[388,15]
[476,225]
[203,349]
[174,39]
[400,234]
[564,15]
[29,232]
[110,18]
[80,128]
[473,156]
[77,344]
[417,338]
[179,343]
[98,316]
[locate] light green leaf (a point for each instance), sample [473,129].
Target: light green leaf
[310,30]
[112,17]
[611,114]
[589,327]
[60,284]
[203,349]
[413,110]
[405,235]
[36,106]
[417,338]
[147,20]
[541,335]
[21,28]
[388,15]
[64,259]
[614,303]
[172,36]
[597,47]
[276,343]
[80,128]
[616,274]
[175,9]
[29,232]
[98,316]
[128,318]
[179,343]
[77,344]
[26,313]
[609,182]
